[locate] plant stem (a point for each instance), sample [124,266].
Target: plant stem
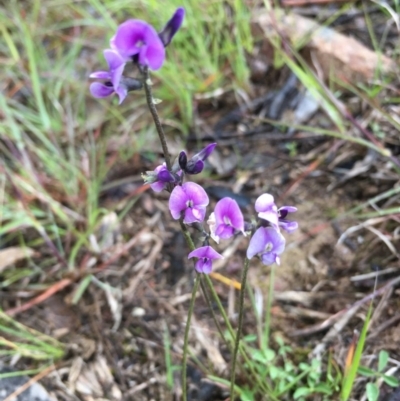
[187,235]
[186,339]
[208,300]
[255,375]
[156,118]
[268,308]
[240,323]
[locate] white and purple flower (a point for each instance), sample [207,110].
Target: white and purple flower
[188,201]
[267,210]
[228,218]
[159,178]
[205,255]
[267,243]
[112,77]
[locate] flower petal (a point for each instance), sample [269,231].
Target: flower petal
[228,209]
[100,75]
[177,202]
[129,38]
[122,92]
[153,54]
[196,193]
[158,186]
[257,243]
[288,225]
[205,252]
[264,202]
[116,64]
[100,90]
[224,231]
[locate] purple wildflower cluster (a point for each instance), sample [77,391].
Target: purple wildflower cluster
[188,202]
[138,42]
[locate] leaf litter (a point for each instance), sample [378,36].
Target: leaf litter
[114,334]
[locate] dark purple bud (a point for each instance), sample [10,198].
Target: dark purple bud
[182,160]
[165,176]
[204,153]
[194,167]
[196,164]
[131,84]
[172,27]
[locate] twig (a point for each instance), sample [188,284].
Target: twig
[333,319]
[29,383]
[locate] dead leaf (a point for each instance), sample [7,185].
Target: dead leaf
[11,255]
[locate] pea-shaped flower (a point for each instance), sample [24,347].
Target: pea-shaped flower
[113,81]
[266,208]
[228,218]
[137,40]
[188,201]
[268,243]
[205,256]
[159,178]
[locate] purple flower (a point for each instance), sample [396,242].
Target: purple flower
[228,218]
[196,164]
[287,225]
[139,40]
[205,256]
[266,208]
[172,26]
[159,178]
[267,243]
[112,77]
[190,201]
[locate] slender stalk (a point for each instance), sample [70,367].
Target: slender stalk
[240,323]
[270,298]
[219,304]
[186,234]
[263,384]
[186,339]
[156,118]
[208,300]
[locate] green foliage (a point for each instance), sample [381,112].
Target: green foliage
[283,377]
[17,339]
[372,388]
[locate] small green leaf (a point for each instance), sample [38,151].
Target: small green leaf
[367,372]
[269,354]
[274,372]
[372,392]
[301,392]
[391,381]
[383,360]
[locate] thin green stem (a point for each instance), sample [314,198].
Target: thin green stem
[219,304]
[186,339]
[270,298]
[156,118]
[260,381]
[210,306]
[186,234]
[240,324]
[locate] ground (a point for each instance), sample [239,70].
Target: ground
[118,314]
